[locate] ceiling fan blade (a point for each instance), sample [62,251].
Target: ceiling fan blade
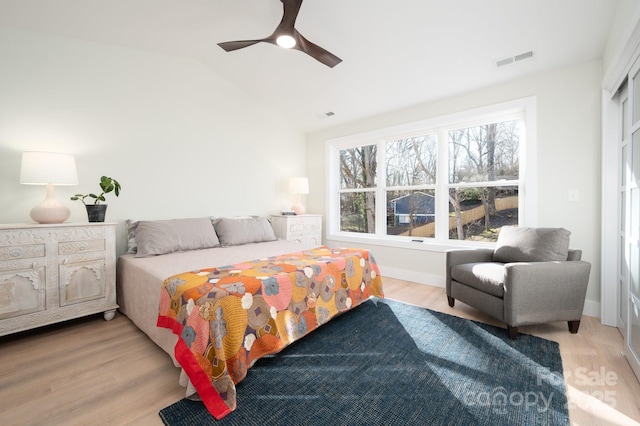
[315,51]
[287,27]
[230,46]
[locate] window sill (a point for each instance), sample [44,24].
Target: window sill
[423,244]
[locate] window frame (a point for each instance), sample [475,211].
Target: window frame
[524,109]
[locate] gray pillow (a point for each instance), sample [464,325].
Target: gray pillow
[131,235]
[531,244]
[233,231]
[154,237]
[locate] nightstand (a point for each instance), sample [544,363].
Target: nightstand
[53,273]
[306,228]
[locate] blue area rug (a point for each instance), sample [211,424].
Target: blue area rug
[389,363]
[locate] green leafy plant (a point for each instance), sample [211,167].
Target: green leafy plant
[107,185]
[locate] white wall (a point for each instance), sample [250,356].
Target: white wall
[182,141]
[568,138]
[624,21]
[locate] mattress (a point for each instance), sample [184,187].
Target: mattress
[140,279]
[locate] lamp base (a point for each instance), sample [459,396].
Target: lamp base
[298,209]
[50,210]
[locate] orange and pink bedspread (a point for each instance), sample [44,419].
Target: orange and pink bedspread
[229,316]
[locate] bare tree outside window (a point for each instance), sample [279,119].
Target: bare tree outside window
[358,171]
[487,156]
[410,178]
[398,177]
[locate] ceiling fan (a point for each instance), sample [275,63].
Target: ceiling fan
[288,37]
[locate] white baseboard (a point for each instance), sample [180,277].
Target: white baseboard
[591,308]
[413,276]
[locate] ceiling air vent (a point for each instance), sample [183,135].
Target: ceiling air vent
[513,59]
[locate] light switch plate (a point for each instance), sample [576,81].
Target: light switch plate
[573,195]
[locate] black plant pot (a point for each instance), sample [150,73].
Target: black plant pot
[96,212]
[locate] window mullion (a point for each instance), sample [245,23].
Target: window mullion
[333,190]
[442,186]
[381,188]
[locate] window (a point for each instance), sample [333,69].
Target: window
[483,179]
[410,183]
[357,189]
[452,178]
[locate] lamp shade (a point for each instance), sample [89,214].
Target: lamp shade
[48,168]
[299,185]
[43,168]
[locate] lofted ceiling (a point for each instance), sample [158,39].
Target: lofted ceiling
[396,53]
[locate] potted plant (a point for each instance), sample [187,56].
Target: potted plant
[96,211]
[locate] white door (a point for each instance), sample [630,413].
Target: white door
[623,270]
[629,208]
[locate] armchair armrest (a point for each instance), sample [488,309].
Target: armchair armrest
[461,256]
[545,291]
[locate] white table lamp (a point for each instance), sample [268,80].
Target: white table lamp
[298,185]
[48,168]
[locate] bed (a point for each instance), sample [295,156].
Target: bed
[183,278]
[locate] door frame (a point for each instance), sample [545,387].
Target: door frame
[615,77]
[613,81]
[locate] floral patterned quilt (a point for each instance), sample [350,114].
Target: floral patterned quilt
[229,316]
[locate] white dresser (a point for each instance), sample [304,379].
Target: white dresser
[52,273]
[306,228]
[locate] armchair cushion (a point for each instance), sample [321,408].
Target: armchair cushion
[517,244]
[487,277]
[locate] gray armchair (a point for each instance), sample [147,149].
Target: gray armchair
[531,277]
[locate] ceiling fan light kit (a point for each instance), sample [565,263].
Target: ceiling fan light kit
[286,41]
[286,36]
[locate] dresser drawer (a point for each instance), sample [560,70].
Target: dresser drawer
[296,228]
[315,226]
[22,252]
[76,247]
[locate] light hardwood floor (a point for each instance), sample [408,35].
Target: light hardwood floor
[90,371]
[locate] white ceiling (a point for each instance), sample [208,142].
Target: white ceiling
[395,53]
